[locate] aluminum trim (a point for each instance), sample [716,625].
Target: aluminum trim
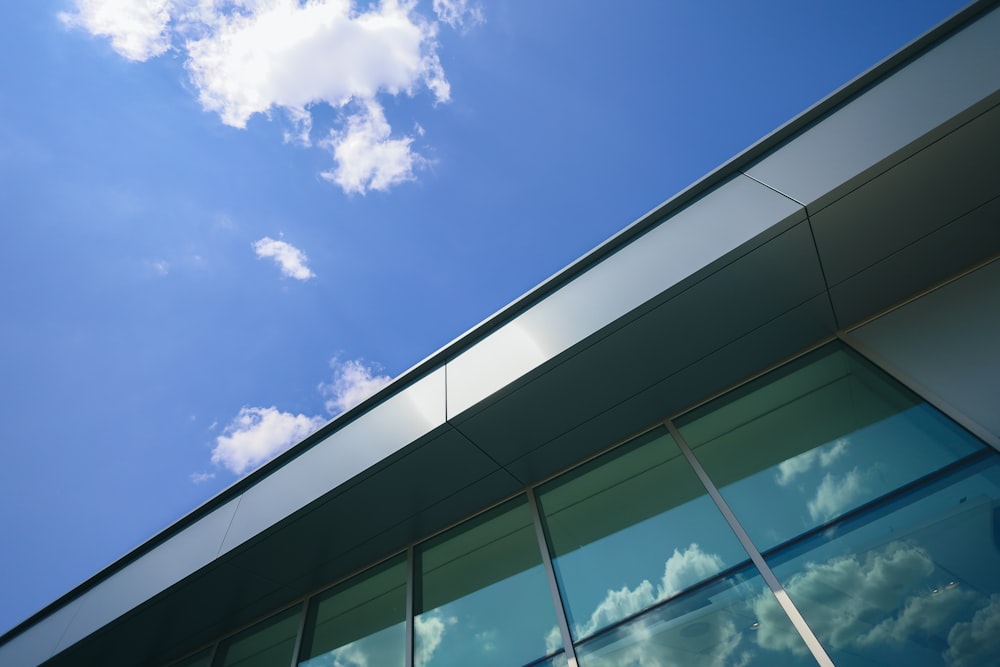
[810,639]
[550,574]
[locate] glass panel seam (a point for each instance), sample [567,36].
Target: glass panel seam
[798,621]
[550,574]
[410,582]
[303,618]
[920,390]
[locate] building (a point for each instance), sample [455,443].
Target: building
[758,426]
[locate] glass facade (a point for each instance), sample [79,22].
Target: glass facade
[823,483]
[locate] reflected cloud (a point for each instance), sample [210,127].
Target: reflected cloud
[824,456]
[835,494]
[711,641]
[428,631]
[837,596]
[976,642]
[885,598]
[682,569]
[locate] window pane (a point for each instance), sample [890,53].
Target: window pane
[819,437]
[361,622]
[267,644]
[630,529]
[483,598]
[915,581]
[712,626]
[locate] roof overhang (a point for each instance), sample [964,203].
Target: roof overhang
[880,192]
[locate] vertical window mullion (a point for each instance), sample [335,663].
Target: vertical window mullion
[808,636]
[301,631]
[410,601]
[550,574]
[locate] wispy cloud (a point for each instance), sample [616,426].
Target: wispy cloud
[459,13]
[289,259]
[246,58]
[824,456]
[353,381]
[202,477]
[257,435]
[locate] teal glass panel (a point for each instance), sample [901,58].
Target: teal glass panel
[630,529]
[914,580]
[361,622]
[821,436]
[270,643]
[482,596]
[714,625]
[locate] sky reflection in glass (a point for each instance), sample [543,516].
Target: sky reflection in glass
[916,582]
[361,622]
[822,436]
[482,596]
[632,528]
[712,626]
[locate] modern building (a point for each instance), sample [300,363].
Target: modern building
[759,426]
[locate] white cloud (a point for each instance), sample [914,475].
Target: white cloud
[200,477]
[160,267]
[681,570]
[835,493]
[289,259]
[686,568]
[353,382]
[428,632]
[367,157]
[457,12]
[869,588]
[256,435]
[248,57]
[137,28]
[976,642]
[825,456]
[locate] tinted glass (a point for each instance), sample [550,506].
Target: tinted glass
[630,529]
[913,581]
[818,438]
[270,643]
[361,622]
[483,598]
[714,625]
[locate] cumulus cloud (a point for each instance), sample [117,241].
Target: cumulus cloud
[706,641]
[256,435]
[882,597]
[289,259]
[137,28]
[428,630]
[367,157]
[681,570]
[976,642]
[353,382]
[201,477]
[249,57]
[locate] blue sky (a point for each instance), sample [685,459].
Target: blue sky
[225,221]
